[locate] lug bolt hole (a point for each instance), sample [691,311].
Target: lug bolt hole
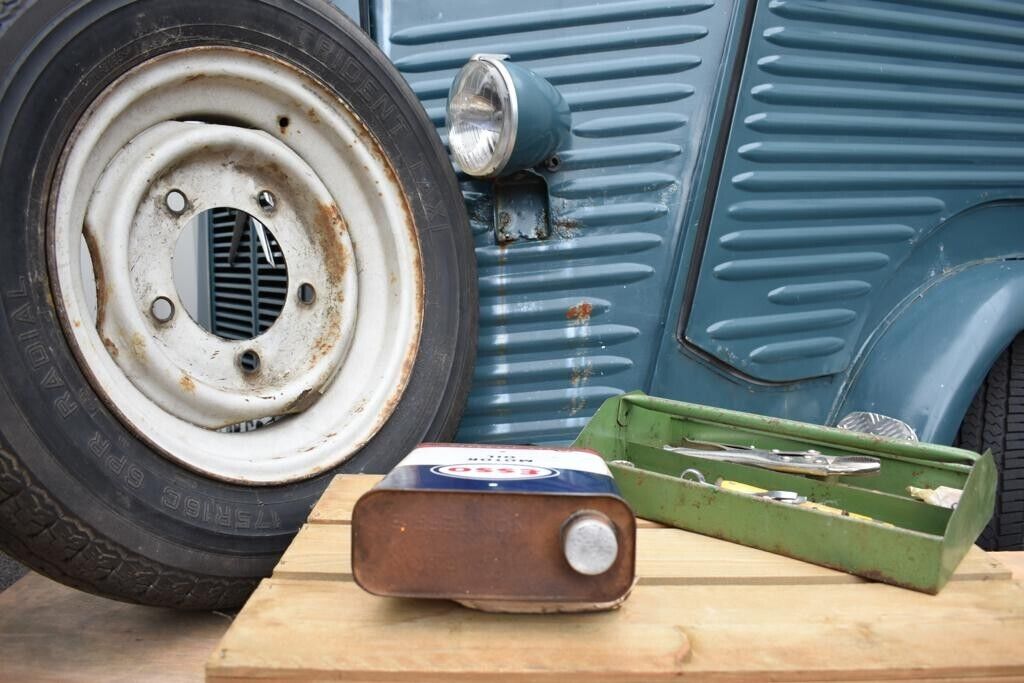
[307,295]
[249,361]
[176,202]
[162,309]
[267,201]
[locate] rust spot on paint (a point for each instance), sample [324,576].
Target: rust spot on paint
[187,384]
[328,225]
[565,228]
[580,374]
[580,313]
[138,346]
[407,365]
[576,405]
[323,345]
[311,113]
[111,346]
[97,271]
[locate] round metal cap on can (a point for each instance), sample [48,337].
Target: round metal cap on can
[590,543]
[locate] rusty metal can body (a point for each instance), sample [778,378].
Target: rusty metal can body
[500,528]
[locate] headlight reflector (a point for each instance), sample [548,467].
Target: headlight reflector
[482,116]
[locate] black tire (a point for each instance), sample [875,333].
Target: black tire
[995,422]
[82,499]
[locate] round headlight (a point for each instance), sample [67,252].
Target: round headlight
[482,116]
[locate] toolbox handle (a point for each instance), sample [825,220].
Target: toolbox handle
[839,437]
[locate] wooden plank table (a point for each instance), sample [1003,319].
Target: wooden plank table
[704,609]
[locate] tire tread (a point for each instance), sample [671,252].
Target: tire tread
[60,547]
[995,422]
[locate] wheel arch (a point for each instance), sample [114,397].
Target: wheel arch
[930,355]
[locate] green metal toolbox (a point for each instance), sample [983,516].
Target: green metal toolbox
[905,542]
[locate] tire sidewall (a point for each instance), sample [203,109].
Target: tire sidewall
[50,416]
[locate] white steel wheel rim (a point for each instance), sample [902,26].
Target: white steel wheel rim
[221,125]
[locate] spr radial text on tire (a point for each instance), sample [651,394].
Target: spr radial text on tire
[146,453]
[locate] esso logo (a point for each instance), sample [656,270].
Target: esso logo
[494,472]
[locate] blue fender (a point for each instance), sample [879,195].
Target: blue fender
[929,357]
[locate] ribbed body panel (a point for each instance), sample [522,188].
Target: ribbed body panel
[860,128]
[570,321]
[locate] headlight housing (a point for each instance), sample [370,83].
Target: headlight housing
[503,117]
[482,116]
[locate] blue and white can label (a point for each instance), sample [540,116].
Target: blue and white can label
[502,469]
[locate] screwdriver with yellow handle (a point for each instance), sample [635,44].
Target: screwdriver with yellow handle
[789,497]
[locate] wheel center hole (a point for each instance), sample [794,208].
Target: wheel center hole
[230,273]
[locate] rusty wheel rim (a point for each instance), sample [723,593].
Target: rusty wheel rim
[207,127]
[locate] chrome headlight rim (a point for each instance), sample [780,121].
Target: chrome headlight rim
[507,137]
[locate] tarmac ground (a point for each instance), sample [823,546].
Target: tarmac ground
[10,571]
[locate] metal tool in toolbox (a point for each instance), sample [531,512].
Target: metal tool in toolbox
[809,462]
[509,529]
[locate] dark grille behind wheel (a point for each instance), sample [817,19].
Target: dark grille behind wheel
[246,297]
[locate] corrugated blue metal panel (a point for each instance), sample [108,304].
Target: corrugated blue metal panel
[860,128]
[349,7]
[573,320]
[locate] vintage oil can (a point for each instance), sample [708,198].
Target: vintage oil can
[513,529]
